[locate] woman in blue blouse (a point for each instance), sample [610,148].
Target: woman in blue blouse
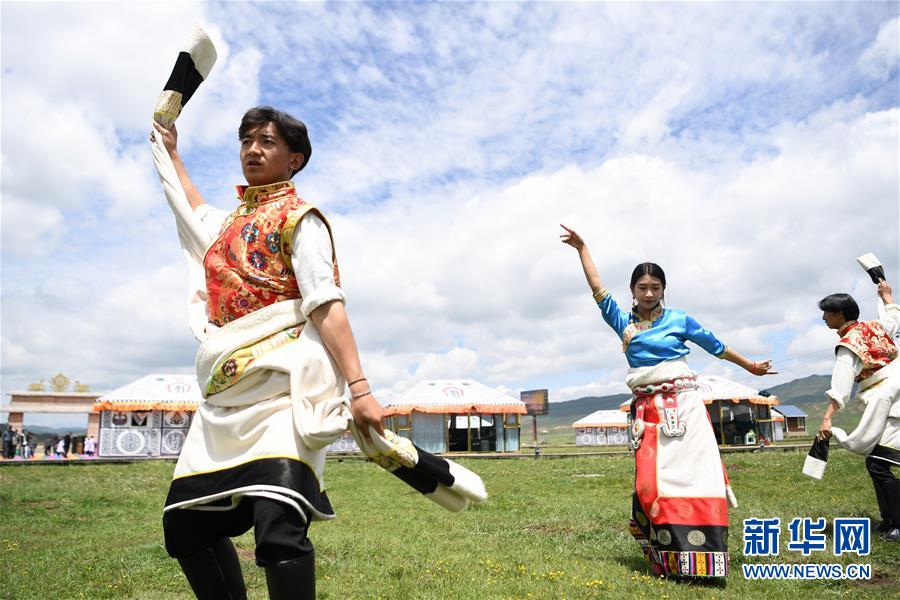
[679,507]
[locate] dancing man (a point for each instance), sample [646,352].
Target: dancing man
[867,355]
[276,352]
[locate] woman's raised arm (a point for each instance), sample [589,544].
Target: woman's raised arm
[590,270]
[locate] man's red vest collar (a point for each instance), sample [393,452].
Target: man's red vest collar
[846,327]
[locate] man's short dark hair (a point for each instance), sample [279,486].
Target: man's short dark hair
[842,303]
[290,129]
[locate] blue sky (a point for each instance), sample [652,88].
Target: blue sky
[750,149]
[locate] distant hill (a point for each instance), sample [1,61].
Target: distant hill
[563,414]
[41,432]
[575,409]
[808,390]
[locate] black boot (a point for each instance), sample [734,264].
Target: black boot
[215,573]
[891,491]
[292,579]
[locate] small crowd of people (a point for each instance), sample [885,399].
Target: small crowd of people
[22,444]
[18,443]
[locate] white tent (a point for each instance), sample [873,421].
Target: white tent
[457,414]
[147,417]
[155,392]
[714,387]
[603,418]
[602,428]
[457,396]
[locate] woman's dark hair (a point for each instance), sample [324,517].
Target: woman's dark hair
[842,303]
[647,268]
[290,129]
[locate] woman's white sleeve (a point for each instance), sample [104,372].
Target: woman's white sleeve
[846,367]
[311,257]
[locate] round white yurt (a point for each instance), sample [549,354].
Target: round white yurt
[602,428]
[148,417]
[740,415]
[457,415]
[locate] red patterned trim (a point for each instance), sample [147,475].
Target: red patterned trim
[690,564]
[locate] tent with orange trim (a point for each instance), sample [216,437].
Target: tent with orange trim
[740,415]
[457,415]
[148,417]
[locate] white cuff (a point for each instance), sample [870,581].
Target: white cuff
[831,395]
[322,295]
[814,467]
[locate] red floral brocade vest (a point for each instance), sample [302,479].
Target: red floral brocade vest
[248,266]
[870,342]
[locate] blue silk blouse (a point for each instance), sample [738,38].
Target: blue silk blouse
[662,340]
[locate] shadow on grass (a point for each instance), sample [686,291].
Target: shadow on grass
[635,563]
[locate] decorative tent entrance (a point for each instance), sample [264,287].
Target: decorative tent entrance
[451,415]
[149,417]
[740,415]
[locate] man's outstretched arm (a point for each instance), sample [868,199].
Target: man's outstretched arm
[170,141]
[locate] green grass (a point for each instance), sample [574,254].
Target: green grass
[551,529]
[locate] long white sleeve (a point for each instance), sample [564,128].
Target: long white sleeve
[890,318]
[311,258]
[193,236]
[870,428]
[846,367]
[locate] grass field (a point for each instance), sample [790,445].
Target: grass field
[551,529]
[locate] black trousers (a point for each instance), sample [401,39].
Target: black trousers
[880,470]
[279,530]
[887,487]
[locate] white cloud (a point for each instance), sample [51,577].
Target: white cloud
[44,224]
[648,126]
[881,57]
[745,253]
[724,142]
[594,388]
[74,138]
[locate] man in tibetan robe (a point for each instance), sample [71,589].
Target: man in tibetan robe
[276,353]
[867,355]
